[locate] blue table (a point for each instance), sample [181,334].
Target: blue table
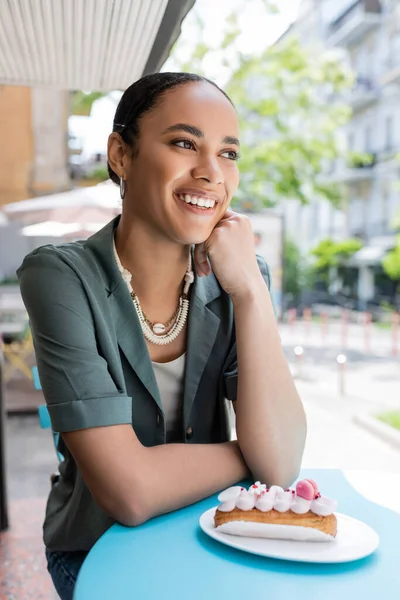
[170,558]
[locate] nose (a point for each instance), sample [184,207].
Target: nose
[209,169]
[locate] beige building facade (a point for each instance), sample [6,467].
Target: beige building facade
[33,142]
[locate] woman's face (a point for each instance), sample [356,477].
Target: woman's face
[181,181]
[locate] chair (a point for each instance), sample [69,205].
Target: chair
[44,417]
[17,350]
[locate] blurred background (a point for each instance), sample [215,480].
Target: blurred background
[317,86]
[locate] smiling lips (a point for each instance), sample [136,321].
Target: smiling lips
[199,201]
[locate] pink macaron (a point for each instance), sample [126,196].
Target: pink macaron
[305,489]
[315,486]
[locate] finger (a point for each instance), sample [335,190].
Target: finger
[201,260]
[230,214]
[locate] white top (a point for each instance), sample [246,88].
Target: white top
[169,377]
[170,381]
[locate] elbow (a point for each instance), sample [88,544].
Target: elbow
[134,517]
[127,511]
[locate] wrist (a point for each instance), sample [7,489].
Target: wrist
[249,293]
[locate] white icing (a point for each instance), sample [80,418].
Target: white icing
[258,488]
[265,502]
[275,489]
[227,506]
[228,498]
[267,530]
[283,501]
[275,498]
[245,500]
[230,493]
[300,506]
[323,506]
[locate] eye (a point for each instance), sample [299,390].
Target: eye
[186,144]
[231,154]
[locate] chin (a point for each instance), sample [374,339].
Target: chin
[190,238]
[194,240]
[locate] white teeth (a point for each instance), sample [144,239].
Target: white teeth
[201,202]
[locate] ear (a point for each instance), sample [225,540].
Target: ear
[118,154]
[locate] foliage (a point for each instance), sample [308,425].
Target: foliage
[329,253]
[391,418]
[82,102]
[391,262]
[359,160]
[296,273]
[288,111]
[396,221]
[100,173]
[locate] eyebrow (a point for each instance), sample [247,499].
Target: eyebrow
[228,139]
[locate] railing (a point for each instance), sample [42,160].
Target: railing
[376,228]
[369,7]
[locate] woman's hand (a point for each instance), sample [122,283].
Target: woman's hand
[231,251]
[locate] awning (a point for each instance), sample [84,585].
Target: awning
[373,253]
[96,45]
[95,204]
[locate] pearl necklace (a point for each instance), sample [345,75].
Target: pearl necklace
[154,333]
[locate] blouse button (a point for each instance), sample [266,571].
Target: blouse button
[189,433]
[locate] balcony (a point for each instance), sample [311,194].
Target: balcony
[363,94]
[355,22]
[391,70]
[359,168]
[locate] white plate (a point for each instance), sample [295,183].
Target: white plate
[354,540]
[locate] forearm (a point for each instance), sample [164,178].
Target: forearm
[181,474]
[270,419]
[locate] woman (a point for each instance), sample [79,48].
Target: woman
[139,340]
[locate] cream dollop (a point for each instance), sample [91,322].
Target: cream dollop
[258,496]
[323,506]
[257,488]
[265,502]
[283,501]
[300,506]
[228,498]
[246,500]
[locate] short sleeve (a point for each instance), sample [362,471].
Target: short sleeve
[231,372]
[78,388]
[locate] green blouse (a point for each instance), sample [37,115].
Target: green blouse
[95,368]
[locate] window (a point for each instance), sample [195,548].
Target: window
[389,124]
[350,142]
[367,143]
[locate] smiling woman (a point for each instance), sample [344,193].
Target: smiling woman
[141,331]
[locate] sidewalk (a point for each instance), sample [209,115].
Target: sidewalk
[30,461]
[335,441]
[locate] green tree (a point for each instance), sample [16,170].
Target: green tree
[296,273]
[82,102]
[391,265]
[331,256]
[289,112]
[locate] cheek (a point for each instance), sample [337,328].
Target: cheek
[232,178]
